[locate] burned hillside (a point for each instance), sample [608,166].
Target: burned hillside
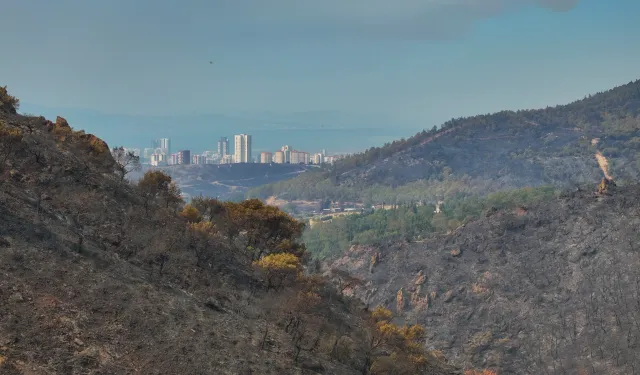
[101,276]
[549,288]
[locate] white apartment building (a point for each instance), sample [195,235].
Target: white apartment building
[242,150]
[287,153]
[299,157]
[266,157]
[164,144]
[278,157]
[158,160]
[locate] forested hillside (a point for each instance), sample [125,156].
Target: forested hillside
[411,222]
[487,153]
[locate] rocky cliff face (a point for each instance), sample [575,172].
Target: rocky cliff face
[545,289]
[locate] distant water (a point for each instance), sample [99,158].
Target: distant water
[200,133]
[310,140]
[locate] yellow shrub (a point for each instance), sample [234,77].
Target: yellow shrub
[279,268]
[480,372]
[8,100]
[380,314]
[191,214]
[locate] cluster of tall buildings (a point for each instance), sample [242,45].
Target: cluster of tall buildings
[288,155]
[160,154]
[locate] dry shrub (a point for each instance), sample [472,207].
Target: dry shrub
[480,372]
[8,102]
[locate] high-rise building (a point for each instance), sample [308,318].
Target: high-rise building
[278,157]
[198,159]
[223,146]
[242,149]
[266,157]
[164,144]
[330,159]
[158,160]
[287,153]
[183,157]
[148,152]
[299,157]
[318,158]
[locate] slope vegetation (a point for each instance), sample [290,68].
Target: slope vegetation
[486,153]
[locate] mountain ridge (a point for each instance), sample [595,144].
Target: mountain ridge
[508,149]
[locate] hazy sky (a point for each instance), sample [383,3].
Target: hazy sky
[409,64]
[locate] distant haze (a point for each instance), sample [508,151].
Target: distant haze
[337,133]
[121,69]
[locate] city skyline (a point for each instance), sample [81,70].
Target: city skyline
[160,153]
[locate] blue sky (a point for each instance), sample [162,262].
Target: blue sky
[129,70]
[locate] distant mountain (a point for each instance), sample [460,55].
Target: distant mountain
[475,155]
[226,181]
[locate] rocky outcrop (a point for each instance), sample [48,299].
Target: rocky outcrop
[61,123]
[400,302]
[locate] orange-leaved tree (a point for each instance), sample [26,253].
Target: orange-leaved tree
[225,216]
[202,240]
[191,214]
[158,185]
[8,102]
[480,372]
[268,229]
[395,349]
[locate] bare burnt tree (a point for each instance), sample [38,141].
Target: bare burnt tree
[125,162]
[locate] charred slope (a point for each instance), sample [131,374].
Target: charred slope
[550,289]
[100,276]
[552,146]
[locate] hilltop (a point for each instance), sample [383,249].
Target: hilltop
[101,276]
[550,288]
[487,153]
[226,181]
